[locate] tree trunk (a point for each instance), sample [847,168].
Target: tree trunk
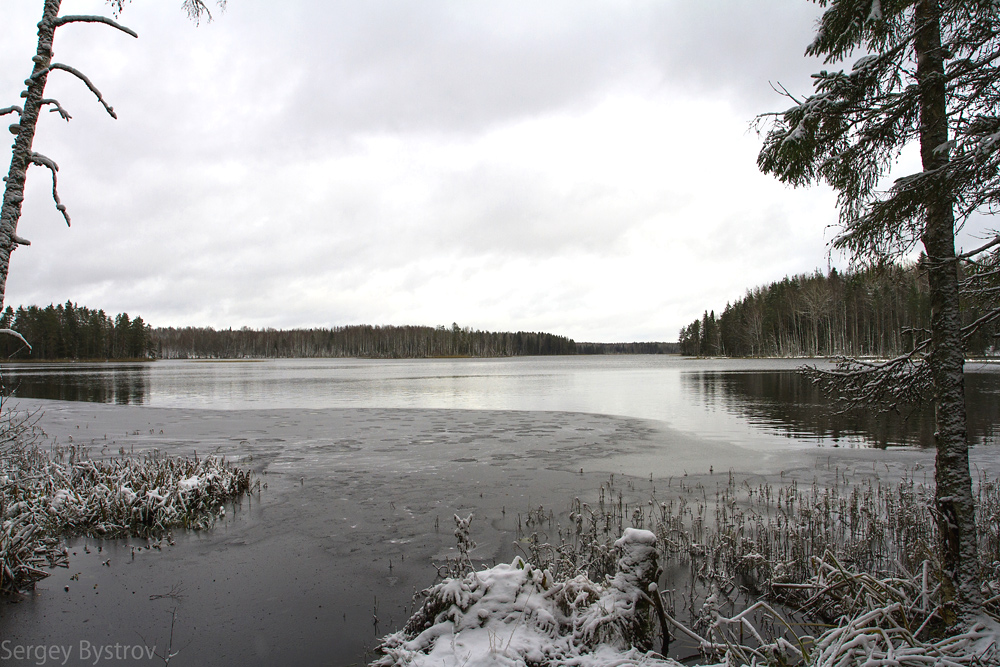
[953,494]
[25,130]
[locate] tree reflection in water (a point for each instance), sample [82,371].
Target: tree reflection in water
[787,402]
[124,384]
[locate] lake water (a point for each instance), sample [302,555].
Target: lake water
[363,464]
[737,400]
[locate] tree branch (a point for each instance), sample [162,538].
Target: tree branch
[11,332]
[11,109]
[80,75]
[973,253]
[63,20]
[58,108]
[42,161]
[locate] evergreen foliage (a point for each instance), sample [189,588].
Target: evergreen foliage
[928,76]
[70,331]
[880,312]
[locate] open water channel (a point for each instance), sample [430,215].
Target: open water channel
[365,461]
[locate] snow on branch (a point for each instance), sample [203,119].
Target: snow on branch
[63,20]
[42,161]
[83,77]
[11,332]
[58,108]
[885,385]
[973,253]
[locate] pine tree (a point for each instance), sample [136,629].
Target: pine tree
[931,77]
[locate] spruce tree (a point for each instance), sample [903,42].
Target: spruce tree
[927,73]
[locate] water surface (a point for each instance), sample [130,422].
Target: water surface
[736,400]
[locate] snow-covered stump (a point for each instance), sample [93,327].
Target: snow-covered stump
[623,615]
[518,615]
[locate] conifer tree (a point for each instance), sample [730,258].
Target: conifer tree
[928,74]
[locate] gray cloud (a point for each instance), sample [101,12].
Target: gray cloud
[565,165]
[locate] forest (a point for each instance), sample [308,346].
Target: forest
[69,331]
[874,312]
[377,342]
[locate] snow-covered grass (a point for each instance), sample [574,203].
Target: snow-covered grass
[45,496]
[826,576]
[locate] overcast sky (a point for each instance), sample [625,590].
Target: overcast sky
[583,167]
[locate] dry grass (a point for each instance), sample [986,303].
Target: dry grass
[46,496]
[791,574]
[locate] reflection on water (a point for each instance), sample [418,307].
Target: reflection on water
[715,398]
[124,384]
[787,402]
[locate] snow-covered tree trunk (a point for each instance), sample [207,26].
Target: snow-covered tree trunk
[953,494]
[24,130]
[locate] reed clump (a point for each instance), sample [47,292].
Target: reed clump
[46,496]
[758,573]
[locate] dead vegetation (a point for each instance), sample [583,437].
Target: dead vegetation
[48,495]
[756,574]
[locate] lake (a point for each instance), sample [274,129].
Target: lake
[727,398]
[366,461]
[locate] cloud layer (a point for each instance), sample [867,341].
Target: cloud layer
[583,167]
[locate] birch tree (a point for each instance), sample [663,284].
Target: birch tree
[34,102]
[927,76]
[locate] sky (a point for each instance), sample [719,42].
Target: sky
[581,167]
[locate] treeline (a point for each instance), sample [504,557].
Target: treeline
[627,348]
[69,331]
[379,342]
[874,312]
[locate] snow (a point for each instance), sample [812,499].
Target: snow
[516,614]
[876,12]
[61,496]
[189,483]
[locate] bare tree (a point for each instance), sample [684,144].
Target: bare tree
[34,101]
[930,76]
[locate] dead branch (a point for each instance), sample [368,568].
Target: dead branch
[83,77]
[42,161]
[58,108]
[73,18]
[11,332]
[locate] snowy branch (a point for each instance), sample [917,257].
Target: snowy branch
[58,108]
[886,385]
[80,75]
[973,253]
[18,240]
[42,161]
[11,332]
[63,20]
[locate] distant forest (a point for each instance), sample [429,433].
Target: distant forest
[71,331]
[378,342]
[875,312]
